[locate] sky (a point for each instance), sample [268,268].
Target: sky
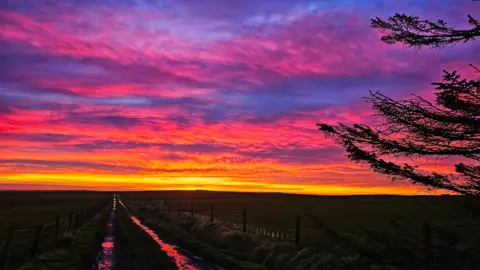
[211,94]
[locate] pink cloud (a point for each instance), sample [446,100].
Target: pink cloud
[235,119]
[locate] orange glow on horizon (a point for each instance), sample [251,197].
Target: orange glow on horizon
[144,97]
[138,183]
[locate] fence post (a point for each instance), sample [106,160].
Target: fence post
[165,204]
[191,209]
[169,208]
[77,221]
[211,213]
[297,231]
[36,241]
[244,218]
[5,255]
[69,221]
[80,218]
[427,236]
[57,229]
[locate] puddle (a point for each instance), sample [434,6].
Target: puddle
[180,260]
[183,259]
[105,259]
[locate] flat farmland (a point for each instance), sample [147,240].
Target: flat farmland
[26,209]
[271,238]
[278,211]
[362,232]
[36,230]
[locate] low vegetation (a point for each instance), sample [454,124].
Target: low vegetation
[406,243]
[27,209]
[38,222]
[349,232]
[209,241]
[77,250]
[278,211]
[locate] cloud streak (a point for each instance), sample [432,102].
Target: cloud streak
[168,90]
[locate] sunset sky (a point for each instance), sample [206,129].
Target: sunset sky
[207,94]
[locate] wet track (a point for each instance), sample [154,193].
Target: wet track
[106,258]
[183,259]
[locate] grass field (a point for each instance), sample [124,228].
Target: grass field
[278,211]
[270,210]
[361,215]
[27,209]
[75,252]
[427,233]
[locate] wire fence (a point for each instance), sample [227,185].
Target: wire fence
[291,236]
[406,235]
[24,244]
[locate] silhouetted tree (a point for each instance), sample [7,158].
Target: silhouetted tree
[416,127]
[417,33]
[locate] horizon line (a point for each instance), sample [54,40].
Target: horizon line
[223,191]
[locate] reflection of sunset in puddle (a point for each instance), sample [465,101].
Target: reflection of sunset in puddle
[105,258]
[181,261]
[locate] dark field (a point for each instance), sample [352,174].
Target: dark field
[26,209]
[267,210]
[54,223]
[273,212]
[339,232]
[278,211]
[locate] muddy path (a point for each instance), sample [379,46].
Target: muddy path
[180,258]
[183,259]
[106,257]
[123,248]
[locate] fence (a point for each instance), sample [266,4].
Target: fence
[22,245]
[384,247]
[292,236]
